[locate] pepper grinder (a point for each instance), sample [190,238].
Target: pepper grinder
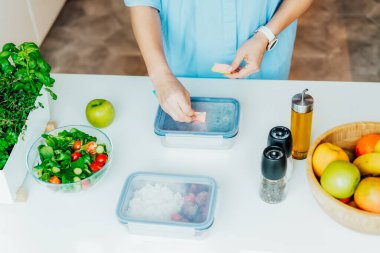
[273,169]
[301,120]
[282,137]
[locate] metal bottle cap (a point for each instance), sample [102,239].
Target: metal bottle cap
[302,102]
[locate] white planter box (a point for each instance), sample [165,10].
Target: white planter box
[13,174]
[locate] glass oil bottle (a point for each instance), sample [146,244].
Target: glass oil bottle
[301,123]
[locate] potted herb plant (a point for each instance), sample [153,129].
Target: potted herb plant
[25,84]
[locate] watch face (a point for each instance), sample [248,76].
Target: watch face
[272,44]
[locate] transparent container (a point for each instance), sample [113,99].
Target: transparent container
[217,132]
[33,159]
[168,205]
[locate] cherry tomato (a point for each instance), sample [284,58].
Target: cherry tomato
[54,180]
[75,156]
[101,158]
[95,166]
[77,145]
[91,147]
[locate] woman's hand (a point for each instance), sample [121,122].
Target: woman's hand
[252,52]
[174,98]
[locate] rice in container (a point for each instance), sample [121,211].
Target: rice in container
[170,205]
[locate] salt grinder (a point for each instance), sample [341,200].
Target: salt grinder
[273,169]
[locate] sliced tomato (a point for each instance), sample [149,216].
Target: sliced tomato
[101,158]
[91,147]
[77,145]
[95,166]
[75,156]
[54,180]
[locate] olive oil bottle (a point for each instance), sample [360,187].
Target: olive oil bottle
[301,124]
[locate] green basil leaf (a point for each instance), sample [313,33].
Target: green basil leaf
[43,65]
[18,60]
[29,47]
[52,94]
[5,54]
[32,64]
[21,73]
[45,79]
[10,47]
[4,63]
[8,69]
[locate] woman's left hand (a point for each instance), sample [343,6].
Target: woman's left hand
[252,52]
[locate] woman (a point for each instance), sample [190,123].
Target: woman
[186,37]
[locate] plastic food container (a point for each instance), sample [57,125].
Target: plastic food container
[217,132]
[167,204]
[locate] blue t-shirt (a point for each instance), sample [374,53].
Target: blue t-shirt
[199,33]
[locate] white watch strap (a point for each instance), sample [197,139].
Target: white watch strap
[267,32]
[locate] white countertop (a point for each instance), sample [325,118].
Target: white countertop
[86,222]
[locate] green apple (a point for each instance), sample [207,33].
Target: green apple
[100,113]
[340,179]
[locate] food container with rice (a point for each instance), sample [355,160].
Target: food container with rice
[167,204]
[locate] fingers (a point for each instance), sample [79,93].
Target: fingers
[252,52]
[238,72]
[179,108]
[175,100]
[178,114]
[248,69]
[239,57]
[175,112]
[185,105]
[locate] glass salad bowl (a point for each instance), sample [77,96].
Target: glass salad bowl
[70,158]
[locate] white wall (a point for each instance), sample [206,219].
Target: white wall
[27,20]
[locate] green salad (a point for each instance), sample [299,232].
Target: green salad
[69,157]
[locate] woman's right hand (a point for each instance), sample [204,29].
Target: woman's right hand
[174,98]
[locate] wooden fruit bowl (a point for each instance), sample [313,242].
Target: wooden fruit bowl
[344,136]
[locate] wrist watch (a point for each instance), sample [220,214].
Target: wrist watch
[272,39]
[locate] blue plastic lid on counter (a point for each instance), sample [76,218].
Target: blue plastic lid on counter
[222,119]
[167,200]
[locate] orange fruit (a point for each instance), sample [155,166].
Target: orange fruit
[366,144]
[326,153]
[367,195]
[377,147]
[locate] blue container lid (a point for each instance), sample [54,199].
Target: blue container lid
[222,119]
[168,199]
